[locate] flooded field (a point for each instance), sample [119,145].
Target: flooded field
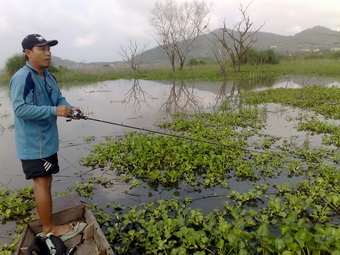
[142,104]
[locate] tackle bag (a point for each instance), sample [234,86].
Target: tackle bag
[49,245]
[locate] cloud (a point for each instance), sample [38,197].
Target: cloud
[86,41]
[4,25]
[294,29]
[79,24]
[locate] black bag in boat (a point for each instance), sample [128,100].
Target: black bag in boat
[49,245]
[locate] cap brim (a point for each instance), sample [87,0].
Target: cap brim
[51,43]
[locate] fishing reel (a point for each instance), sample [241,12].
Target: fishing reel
[76,115]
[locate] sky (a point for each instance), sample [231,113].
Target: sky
[94,30]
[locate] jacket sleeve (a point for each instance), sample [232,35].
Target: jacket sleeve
[62,101]
[22,95]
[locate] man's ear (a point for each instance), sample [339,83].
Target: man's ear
[27,52]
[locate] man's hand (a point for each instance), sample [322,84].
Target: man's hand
[64,111]
[80,114]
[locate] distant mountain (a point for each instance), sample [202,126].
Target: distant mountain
[63,62]
[316,39]
[313,40]
[69,63]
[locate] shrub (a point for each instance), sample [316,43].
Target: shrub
[336,55]
[259,57]
[14,63]
[195,62]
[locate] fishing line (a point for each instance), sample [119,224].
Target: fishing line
[77,115]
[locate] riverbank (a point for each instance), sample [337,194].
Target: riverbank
[208,72]
[318,65]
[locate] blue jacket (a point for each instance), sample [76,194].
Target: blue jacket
[34,103]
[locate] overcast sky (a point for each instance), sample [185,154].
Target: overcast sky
[92,30]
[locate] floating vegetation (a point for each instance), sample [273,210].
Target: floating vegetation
[16,206]
[292,205]
[298,216]
[320,99]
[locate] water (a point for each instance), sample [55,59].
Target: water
[142,104]
[137,103]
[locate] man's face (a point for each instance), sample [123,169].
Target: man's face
[39,57]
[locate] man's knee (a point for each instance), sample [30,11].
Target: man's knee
[44,181]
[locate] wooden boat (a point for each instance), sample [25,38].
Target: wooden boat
[68,209]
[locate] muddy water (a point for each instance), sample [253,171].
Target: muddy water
[142,104]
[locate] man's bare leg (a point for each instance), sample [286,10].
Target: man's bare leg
[43,203]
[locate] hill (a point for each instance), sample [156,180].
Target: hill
[313,40]
[69,63]
[63,62]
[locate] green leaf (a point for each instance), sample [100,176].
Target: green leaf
[263,230]
[199,253]
[220,244]
[288,253]
[233,239]
[301,237]
[224,226]
[242,252]
[279,244]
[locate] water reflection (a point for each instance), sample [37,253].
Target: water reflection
[224,94]
[256,83]
[181,99]
[136,95]
[186,97]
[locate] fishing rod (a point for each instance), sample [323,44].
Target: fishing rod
[77,115]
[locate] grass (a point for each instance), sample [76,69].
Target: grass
[323,65]
[208,72]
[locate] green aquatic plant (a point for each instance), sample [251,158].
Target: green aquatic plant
[319,127]
[286,199]
[275,218]
[172,227]
[16,206]
[216,152]
[322,100]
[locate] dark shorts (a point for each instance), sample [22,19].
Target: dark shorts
[40,167]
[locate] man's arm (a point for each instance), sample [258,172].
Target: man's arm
[23,98]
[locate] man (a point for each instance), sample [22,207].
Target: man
[37,101]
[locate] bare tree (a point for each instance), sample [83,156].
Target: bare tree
[221,57]
[243,36]
[238,40]
[177,27]
[191,23]
[132,54]
[162,21]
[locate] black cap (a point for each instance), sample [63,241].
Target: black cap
[36,40]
